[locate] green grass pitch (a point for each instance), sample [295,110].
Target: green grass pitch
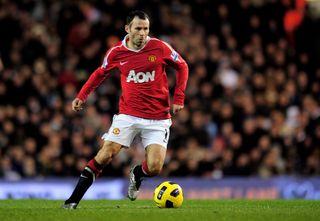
[145,210]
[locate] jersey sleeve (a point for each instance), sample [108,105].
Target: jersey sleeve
[172,58]
[98,76]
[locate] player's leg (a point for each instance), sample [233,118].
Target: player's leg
[91,171]
[120,134]
[151,166]
[154,137]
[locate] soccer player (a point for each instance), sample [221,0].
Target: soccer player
[144,107]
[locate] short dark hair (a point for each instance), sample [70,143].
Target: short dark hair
[139,14]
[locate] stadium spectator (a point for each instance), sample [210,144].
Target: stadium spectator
[275,86]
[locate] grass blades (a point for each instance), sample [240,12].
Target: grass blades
[145,210]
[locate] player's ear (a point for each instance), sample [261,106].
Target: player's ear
[127,28]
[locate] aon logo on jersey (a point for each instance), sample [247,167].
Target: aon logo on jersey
[140,77]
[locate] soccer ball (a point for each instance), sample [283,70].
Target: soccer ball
[168,195]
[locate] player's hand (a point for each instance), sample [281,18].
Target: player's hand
[77,104]
[176,108]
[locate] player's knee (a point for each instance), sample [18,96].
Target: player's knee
[106,153]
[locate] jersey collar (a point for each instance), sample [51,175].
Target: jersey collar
[124,43]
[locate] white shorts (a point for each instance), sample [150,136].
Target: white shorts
[125,128]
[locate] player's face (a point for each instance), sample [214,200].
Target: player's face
[138,31]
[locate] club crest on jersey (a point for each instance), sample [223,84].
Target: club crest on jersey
[116,131]
[140,77]
[152,58]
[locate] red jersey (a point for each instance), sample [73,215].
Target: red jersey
[144,81]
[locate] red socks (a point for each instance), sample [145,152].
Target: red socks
[95,167]
[145,168]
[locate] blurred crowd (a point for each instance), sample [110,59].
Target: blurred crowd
[252,100]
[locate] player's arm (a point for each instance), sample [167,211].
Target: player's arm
[173,59]
[95,79]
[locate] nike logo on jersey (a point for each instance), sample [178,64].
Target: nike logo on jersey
[140,77]
[123,62]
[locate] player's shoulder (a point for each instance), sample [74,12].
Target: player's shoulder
[160,43]
[156,41]
[114,49]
